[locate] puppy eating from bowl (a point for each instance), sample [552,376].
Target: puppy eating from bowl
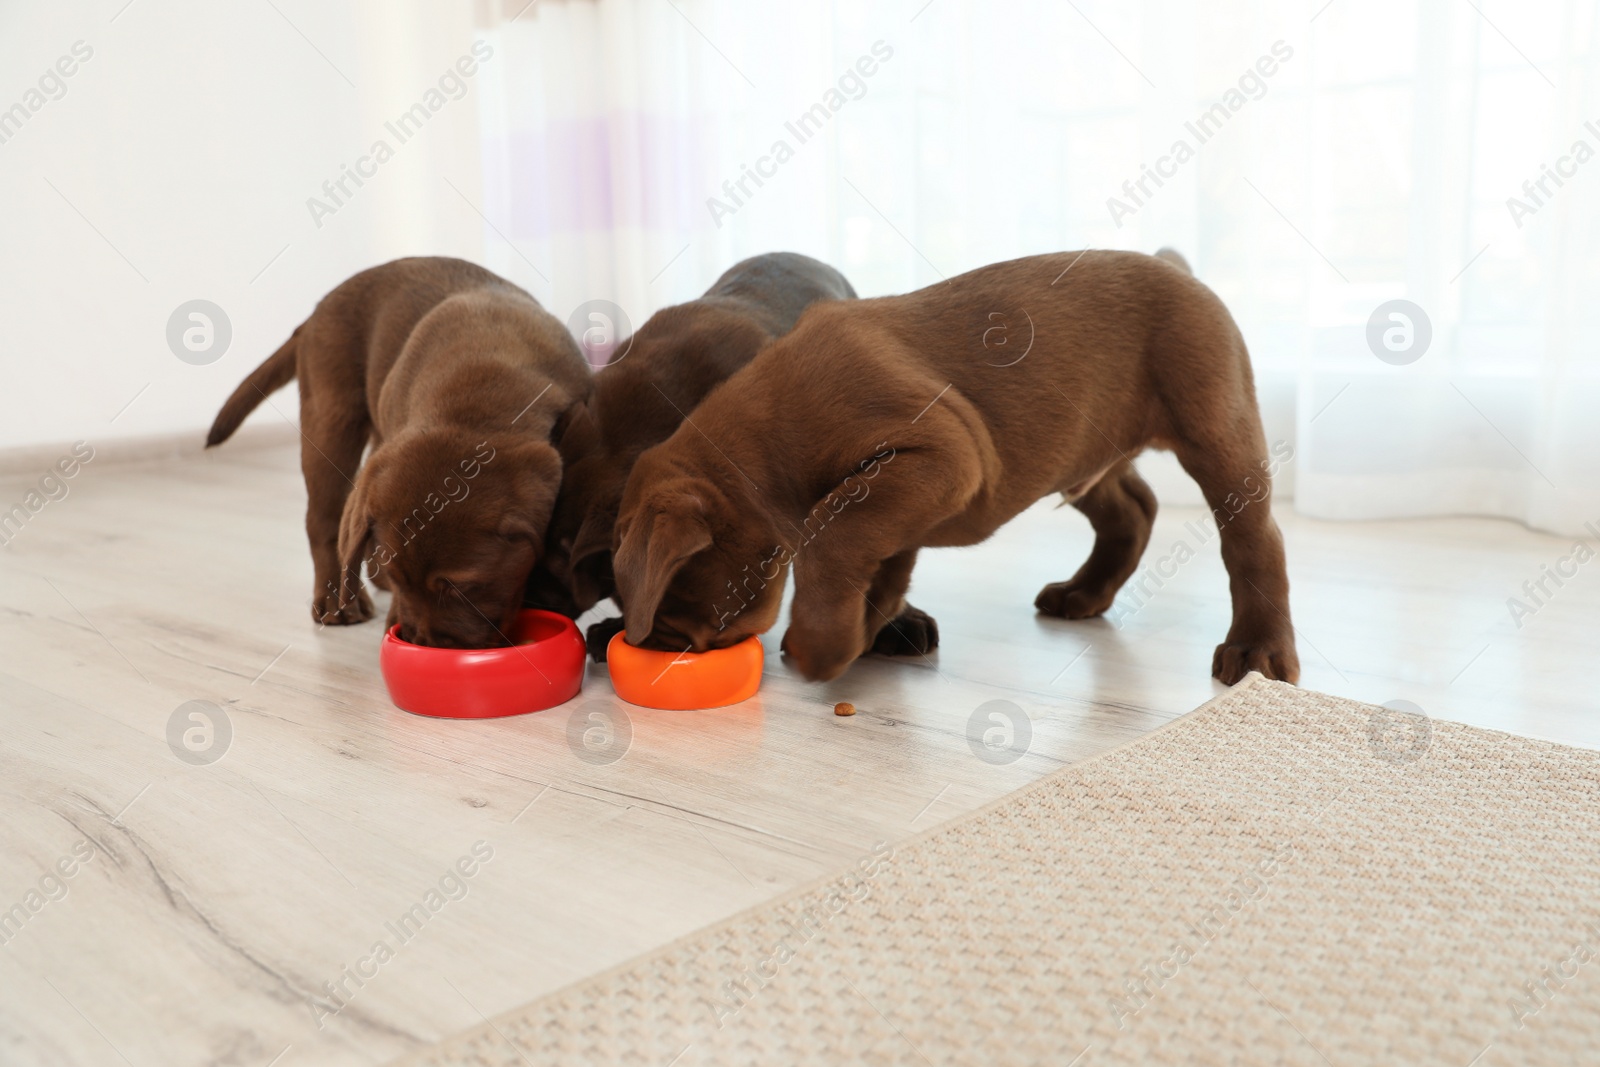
[965,402]
[459,379]
[653,383]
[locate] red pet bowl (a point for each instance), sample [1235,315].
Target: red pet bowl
[544,668]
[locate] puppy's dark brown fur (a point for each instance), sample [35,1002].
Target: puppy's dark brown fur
[459,379]
[878,427]
[658,377]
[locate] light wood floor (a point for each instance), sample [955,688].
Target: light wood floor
[219,899]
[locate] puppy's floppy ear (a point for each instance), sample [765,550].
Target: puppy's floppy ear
[537,472]
[650,552]
[575,431]
[589,557]
[355,535]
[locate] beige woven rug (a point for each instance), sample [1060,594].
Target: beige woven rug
[1280,877]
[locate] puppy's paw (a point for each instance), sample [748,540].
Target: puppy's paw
[912,633]
[600,635]
[1073,600]
[332,610]
[817,661]
[1274,657]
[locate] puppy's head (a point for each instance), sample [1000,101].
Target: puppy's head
[455,524]
[697,565]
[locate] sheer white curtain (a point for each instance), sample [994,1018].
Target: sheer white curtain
[599,137]
[1336,158]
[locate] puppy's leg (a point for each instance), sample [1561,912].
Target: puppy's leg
[1231,468]
[599,636]
[901,630]
[929,482]
[330,455]
[1121,508]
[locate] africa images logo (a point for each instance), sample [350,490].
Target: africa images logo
[851,85]
[451,85]
[1251,85]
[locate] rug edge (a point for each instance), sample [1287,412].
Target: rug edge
[418,1056]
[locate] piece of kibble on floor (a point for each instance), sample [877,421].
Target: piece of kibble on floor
[845,708]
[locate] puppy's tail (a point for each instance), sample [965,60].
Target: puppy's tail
[1171,255]
[277,372]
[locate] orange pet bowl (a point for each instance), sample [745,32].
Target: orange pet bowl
[685,681]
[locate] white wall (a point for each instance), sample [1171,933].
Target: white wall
[1380,163]
[190,140]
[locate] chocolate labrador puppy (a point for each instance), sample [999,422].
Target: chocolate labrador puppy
[459,379]
[652,384]
[876,428]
